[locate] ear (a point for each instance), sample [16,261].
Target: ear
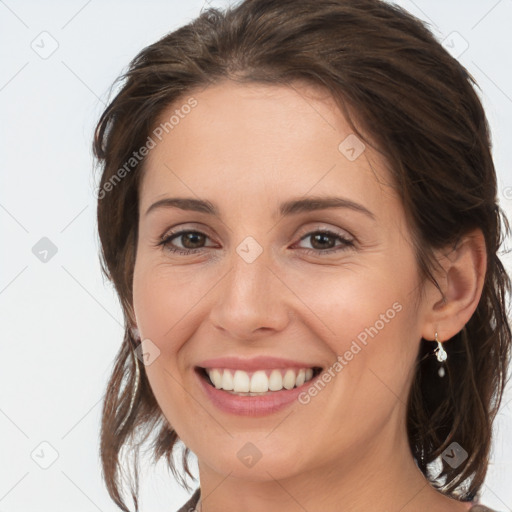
[461,280]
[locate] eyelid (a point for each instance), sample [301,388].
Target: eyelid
[185,227]
[347,242]
[324,227]
[173,230]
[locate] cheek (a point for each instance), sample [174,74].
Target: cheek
[151,301]
[163,303]
[351,303]
[164,300]
[366,318]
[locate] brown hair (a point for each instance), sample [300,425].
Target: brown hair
[419,107]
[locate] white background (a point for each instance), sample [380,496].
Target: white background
[61,324]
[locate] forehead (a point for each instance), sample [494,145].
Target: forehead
[263,140]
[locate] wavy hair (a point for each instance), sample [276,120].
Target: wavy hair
[421,112]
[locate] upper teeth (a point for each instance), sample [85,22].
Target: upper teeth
[260,381]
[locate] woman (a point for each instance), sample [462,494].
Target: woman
[298,211]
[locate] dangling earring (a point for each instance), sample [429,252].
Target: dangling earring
[137,379]
[441,356]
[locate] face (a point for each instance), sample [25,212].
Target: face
[257,295]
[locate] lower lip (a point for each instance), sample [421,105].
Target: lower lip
[252,405]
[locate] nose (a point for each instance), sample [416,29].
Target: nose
[251,300]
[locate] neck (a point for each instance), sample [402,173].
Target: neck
[381,472]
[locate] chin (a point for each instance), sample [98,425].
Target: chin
[252,460]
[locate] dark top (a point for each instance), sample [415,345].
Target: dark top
[192,503]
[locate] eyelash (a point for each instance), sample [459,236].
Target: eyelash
[165,242]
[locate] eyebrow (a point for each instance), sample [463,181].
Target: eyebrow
[291,207]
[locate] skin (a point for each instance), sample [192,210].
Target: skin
[247,148]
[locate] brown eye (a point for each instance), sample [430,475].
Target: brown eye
[323,242]
[191,241]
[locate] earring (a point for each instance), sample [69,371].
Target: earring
[137,379]
[441,356]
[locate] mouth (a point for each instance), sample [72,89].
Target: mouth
[259,382]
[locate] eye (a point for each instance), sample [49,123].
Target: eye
[192,241]
[321,239]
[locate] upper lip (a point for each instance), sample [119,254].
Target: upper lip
[255,363]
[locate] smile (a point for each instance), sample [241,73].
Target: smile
[256,387]
[245,383]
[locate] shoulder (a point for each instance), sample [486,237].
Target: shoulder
[191,504]
[480,508]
